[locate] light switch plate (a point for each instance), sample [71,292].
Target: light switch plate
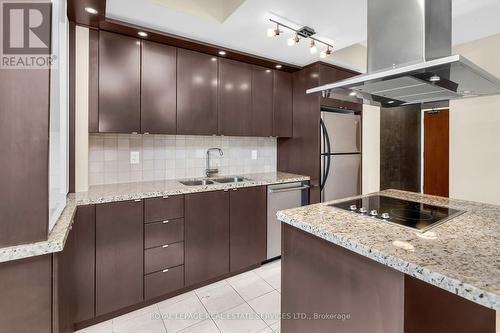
[254,154]
[134,157]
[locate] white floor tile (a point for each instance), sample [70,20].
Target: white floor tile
[220,299]
[104,327]
[268,306]
[211,287]
[241,319]
[241,276]
[152,309]
[271,273]
[146,323]
[251,287]
[207,326]
[266,330]
[182,314]
[276,327]
[176,299]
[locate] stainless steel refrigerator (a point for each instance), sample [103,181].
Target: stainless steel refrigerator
[340,154]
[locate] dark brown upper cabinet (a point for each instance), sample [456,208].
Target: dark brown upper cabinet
[196,93]
[158,88]
[119,83]
[119,255]
[262,101]
[282,105]
[235,98]
[206,230]
[247,227]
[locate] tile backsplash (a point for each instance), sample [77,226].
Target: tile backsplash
[174,156]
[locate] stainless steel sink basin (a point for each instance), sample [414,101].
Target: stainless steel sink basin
[236,179]
[196,182]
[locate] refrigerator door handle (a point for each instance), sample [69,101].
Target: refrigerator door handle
[326,156]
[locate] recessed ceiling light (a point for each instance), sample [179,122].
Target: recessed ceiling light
[278,66]
[142,34]
[91,10]
[434,78]
[222,52]
[390,102]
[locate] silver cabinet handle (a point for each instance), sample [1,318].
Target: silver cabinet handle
[305,187]
[165,246]
[137,200]
[235,189]
[165,197]
[165,222]
[164,271]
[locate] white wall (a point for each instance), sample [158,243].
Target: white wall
[371,149]
[475,132]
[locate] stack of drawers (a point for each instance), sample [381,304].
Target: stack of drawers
[163,245]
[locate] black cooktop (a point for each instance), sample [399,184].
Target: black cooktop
[409,214]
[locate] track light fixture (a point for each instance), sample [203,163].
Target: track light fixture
[304,32]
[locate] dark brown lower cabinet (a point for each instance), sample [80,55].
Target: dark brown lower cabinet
[163,282]
[248,207]
[206,236]
[26,295]
[119,255]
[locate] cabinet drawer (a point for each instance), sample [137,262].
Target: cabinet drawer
[161,233]
[163,257]
[165,208]
[163,282]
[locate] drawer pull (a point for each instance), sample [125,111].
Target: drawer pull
[137,200]
[165,222]
[165,196]
[165,246]
[235,189]
[165,270]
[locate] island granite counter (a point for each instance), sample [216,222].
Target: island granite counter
[130,191]
[460,256]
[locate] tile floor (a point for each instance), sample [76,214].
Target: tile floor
[249,302]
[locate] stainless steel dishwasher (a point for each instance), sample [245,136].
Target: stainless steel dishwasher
[280,197]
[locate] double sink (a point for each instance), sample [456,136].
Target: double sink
[226,180]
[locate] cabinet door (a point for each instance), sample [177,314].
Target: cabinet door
[26,295]
[119,83]
[282,108]
[119,255]
[262,101]
[196,93]
[159,85]
[206,236]
[83,263]
[248,215]
[235,98]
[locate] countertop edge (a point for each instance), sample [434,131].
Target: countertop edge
[467,291]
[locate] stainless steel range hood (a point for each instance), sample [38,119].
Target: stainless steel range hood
[409,59]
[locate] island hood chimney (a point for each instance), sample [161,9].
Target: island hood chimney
[409,59]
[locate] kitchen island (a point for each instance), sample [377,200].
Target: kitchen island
[355,273]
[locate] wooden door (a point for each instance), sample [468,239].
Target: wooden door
[282,105]
[159,88]
[26,295]
[262,101]
[248,217]
[196,93]
[436,152]
[119,83]
[235,98]
[119,255]
[82,265]
[206,236]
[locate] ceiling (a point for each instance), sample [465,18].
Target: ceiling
[241,25]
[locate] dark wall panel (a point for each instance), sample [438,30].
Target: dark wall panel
[400,148]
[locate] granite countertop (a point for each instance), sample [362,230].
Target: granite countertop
[129,191]
[461,255]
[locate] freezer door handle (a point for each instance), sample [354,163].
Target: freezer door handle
[301,188]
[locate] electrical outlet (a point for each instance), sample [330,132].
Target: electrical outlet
[254,154]
[134,157]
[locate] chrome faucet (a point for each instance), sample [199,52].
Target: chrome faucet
[209,171]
